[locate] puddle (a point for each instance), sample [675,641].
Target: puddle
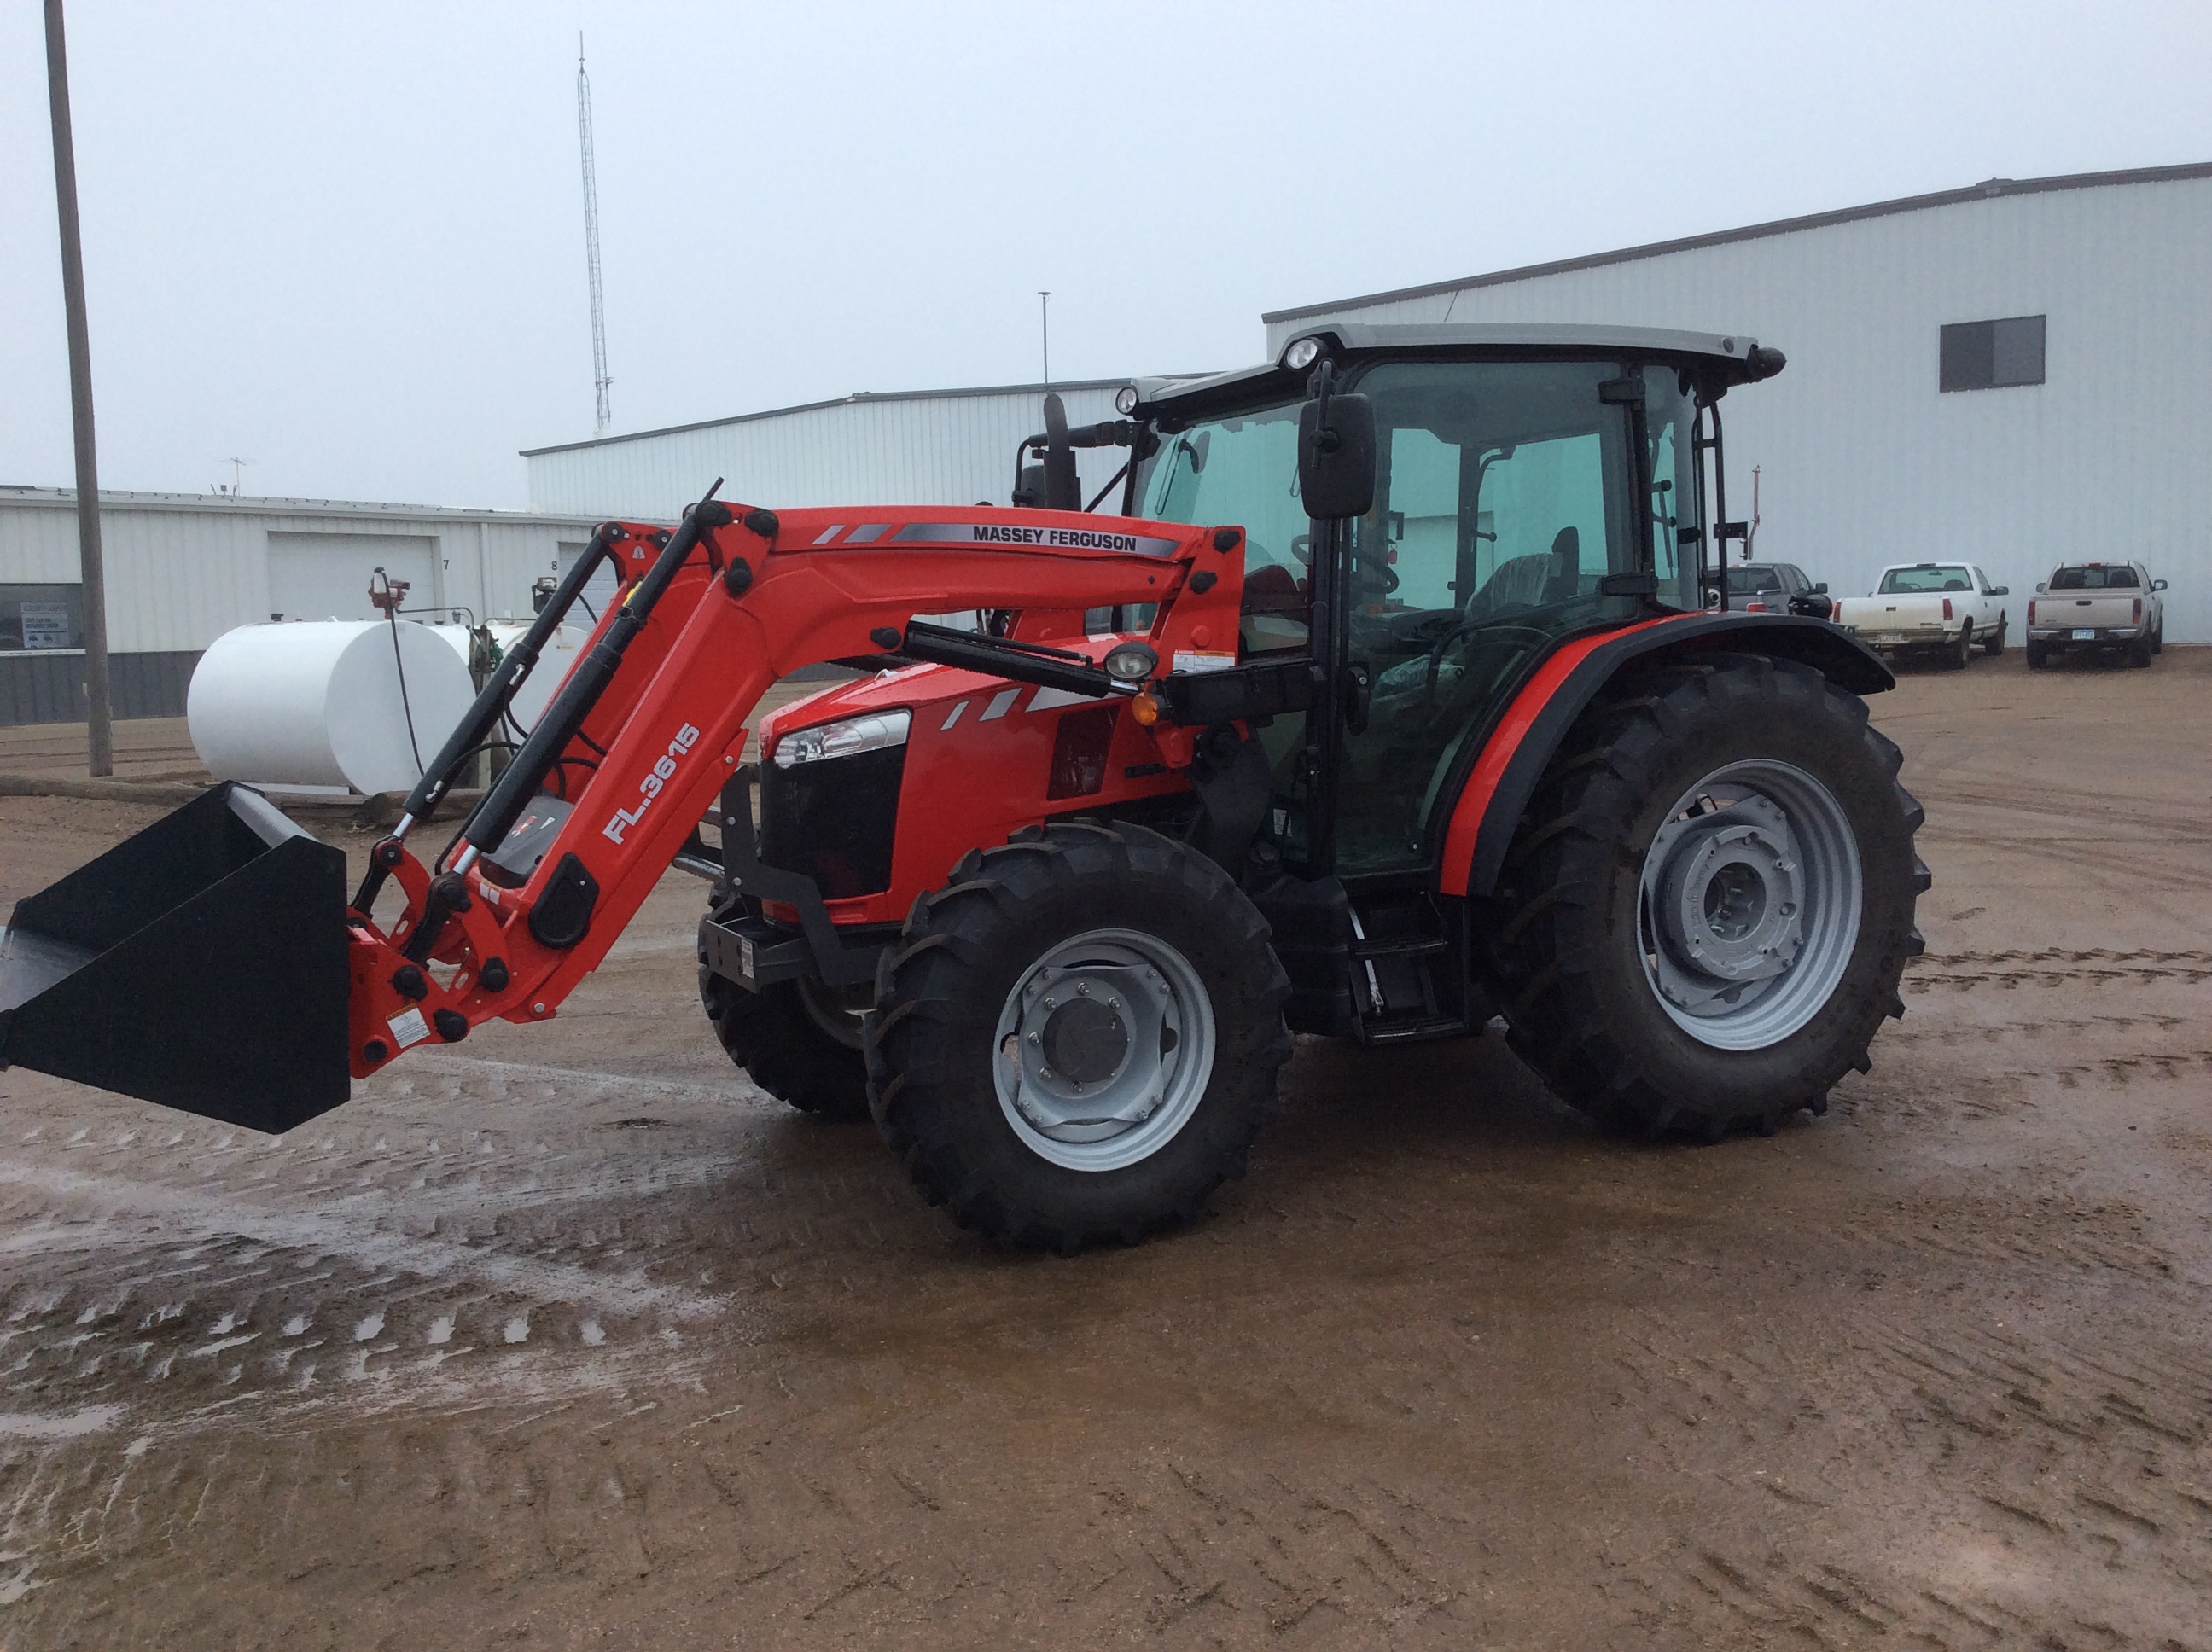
[67,1426]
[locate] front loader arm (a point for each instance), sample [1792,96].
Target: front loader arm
[744,603]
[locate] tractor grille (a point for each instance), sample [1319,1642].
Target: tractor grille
[834,820]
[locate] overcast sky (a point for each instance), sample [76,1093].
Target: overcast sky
[346,243]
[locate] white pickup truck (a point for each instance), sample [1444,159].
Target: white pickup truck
[1942,608]
[2086,607]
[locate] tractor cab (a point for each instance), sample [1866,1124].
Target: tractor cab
[1530,485]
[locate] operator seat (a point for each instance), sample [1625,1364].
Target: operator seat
[1565,580]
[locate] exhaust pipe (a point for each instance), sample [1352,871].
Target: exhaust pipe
[201,965]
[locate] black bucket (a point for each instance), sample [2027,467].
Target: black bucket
[202,965]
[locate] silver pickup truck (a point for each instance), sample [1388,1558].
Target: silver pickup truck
[2090,607]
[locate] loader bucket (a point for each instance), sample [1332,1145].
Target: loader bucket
[202,964]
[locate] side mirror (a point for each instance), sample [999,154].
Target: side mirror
[1336,452]
[1821,589]
[2000,590]
[2158,585]
[2042,585]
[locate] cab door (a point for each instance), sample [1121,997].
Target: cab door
[1510,501]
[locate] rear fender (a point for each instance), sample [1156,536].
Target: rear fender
[1519,749]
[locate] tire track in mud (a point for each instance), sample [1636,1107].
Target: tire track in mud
[1961,1486]
[2096,966]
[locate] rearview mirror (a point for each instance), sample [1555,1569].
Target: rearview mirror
[2042,585]
[2000,590]
[2158,585]
[1821,589]
[1336,454]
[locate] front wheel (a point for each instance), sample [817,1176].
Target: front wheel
[799,1041]
[1076,1039]
[1707,910]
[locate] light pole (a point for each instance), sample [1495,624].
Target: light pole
[99,728]
[1044,320]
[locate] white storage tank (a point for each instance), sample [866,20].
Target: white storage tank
[554,661]
[320,703]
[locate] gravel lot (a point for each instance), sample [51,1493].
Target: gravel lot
[569,1337]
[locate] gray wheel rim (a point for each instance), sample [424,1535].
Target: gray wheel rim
[1105,1049]
[1749,905]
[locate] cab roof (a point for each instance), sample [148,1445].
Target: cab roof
[1724,359]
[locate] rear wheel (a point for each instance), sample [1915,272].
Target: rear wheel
[1077,1039]
[2139,651]
[2158,637]
[1707,910]
[1962,650]
[2039,656]
[1993,645]
[799,1041]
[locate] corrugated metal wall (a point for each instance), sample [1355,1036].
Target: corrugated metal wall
[937,449]
[182,570]
[1862,462]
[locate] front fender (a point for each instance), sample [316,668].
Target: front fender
[1519,749]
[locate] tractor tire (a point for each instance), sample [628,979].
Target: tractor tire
[2039,656]
[782,1043]
[1174,1022]
[1598,952]
[1993,644]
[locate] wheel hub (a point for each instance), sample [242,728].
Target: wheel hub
[1104,1043]
[1733,903]
[1749,905]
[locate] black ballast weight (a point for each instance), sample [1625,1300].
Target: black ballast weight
[201,965]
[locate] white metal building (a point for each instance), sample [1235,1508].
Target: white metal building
[918,448]
[183,568]
[2013,373]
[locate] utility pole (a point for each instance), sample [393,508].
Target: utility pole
[1044,318]
[599,379]
[100,725]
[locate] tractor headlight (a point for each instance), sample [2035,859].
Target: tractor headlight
[1301,354]
[1125,400]
[879,731]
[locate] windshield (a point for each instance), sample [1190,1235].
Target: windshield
[1911,581]
[2094,578]
[1243,470]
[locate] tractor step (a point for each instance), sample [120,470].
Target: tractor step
[1409,972]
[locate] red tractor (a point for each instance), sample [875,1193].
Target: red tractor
[1393,701]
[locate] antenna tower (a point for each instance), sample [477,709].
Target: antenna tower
[599,379]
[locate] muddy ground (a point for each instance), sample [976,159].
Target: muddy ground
[569,1338]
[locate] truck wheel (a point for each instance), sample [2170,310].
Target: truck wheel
[796,1041]
[1993,644]
[1705,914]
[2158,637]
[1962,650]
[2139,652]
[1077,1038]
[2039,656]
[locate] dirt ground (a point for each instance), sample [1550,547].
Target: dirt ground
[570,1338]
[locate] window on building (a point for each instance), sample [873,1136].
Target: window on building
[41,616]
[1992,355]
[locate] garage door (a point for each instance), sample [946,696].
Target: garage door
[602,590]
[318,576]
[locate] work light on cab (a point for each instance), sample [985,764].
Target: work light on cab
[1130,662]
